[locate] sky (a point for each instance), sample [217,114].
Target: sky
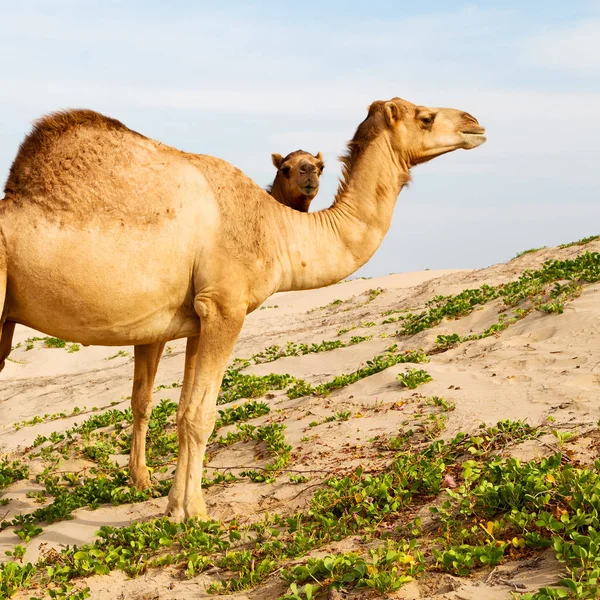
[240,80]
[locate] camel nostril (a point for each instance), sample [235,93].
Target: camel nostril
[470,118]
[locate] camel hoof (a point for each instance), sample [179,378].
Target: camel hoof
[140,478]
[174,513]
[142,484]
[193,510]
[196,510]
[200,516]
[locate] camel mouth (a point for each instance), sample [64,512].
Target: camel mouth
[473,137]
[307,189]
[474,130]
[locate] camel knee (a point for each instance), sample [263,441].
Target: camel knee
[195,434]
[141,405]
[141,420]
[141,415]
[196,426]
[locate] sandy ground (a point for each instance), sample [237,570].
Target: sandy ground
[544,365]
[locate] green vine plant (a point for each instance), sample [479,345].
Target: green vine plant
[498,509]
[276,352]
[104,435]
[540,290]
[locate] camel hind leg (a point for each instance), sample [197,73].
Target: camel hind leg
[147,357]
[8,329]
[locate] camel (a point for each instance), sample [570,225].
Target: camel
[297,180]
[110,238]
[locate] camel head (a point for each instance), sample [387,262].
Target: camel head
[298,174]
[419,133]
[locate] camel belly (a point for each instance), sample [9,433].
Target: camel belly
[94,288]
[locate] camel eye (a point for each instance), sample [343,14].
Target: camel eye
[321,168]
[427,120]
[286,170]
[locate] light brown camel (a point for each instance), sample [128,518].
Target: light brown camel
[111,238]
[297,180]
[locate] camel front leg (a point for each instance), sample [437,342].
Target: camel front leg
[146,358]
[196,414]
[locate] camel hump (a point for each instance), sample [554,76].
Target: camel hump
[57,123]
[47,132]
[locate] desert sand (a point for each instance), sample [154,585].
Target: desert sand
[545,365]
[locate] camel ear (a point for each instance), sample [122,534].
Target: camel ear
[277,160]
[393,113]
[321,165]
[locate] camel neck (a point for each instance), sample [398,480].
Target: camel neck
[321,248]
[300,202]
[277,193]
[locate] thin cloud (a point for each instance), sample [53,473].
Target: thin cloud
[575,48]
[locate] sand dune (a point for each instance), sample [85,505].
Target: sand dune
[544,365]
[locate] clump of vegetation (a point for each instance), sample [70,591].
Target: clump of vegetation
[530,251]
[333,303]
[11,471]
[276,352]
[377,364]
[119,354]
[414,378]
[386,569]
[53,342]
[533,290]
[442,403]
[14,576]
[167,386]
[238,414]
[581,242]
[342,415]
[49,342]
[52,417]
[373,293]
[276,445]
[236,385]
[346,330]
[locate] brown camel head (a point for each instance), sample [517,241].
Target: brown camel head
[297,179]
[415,133]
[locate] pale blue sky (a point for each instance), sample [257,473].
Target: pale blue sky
[241,80]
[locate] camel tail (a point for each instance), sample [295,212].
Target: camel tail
[3,276]
[7,328]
